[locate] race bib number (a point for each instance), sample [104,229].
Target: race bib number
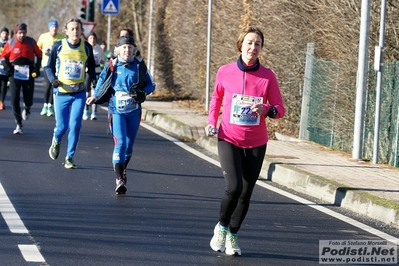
[124,103]
[21,72]
[73,69]
[241,113]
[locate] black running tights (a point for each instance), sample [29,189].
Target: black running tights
[15,91]
[241,169]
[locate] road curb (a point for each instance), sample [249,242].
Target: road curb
[332,192]
[167,123]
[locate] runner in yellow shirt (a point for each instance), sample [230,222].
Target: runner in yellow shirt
[45,43]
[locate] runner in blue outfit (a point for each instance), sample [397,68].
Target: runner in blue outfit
[124,90]
[65,70]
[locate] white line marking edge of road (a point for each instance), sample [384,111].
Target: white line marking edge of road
[31,253]
[10,215]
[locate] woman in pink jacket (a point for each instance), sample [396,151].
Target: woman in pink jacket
[249,93]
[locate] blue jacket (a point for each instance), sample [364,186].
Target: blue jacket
[122,79]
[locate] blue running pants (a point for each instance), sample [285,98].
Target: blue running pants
[68,114]
[124,130]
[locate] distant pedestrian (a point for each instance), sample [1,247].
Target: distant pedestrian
[45,43]
[125,32]
[103,46]
[249,93]
[3,75]
[98,54]
[65,70]
[125,90]
[18,59]
[11,34]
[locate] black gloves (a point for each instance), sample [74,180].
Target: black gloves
[272,112]
[138,95]
[56,83]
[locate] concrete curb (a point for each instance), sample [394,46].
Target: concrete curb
[167,123]
[332,192]
[289,176]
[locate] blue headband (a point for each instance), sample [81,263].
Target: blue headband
[52,23]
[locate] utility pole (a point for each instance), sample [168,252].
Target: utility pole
[361,80]
[208,56]
[149,54]
[379,66]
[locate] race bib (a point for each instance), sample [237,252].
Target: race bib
[21,72]
[2,71]
[241,113]
[73,69]
[124,103]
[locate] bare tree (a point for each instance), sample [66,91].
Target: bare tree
[180,37]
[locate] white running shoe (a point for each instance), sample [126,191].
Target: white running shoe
[50,111]
[218,241]
[25,114]
[85,114]
[120,186]
[232,247]
[44,110]
[18,130]
[93,116]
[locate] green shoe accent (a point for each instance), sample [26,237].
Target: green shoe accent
[232,247]
[44,111]
[54,150]
[50,111]
[69,164]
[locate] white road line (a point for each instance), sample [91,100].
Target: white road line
[282,192]
[9,214]
[181,144]
[31,253]
[330,212]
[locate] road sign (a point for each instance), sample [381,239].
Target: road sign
[110,7]
[88,27]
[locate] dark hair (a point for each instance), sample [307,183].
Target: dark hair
[244,33]
[4,29]
[103,43]
[129,32]
[92,34]
[73,20]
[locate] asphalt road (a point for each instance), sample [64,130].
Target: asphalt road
[166,218]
